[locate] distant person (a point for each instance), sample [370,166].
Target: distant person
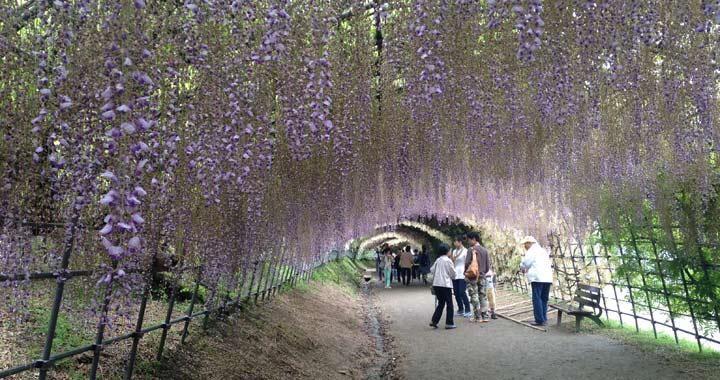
[444,271]
[538,267]
[424,260]
[476,282]
[406,263]
[490,281]
[379,253]
[459,255]
[416,265]
[387,264]
[396,266]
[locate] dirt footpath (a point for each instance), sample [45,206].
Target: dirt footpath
[319,333]
[502,349]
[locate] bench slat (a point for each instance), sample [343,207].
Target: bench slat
[588,295]
[589,288]
[584,302]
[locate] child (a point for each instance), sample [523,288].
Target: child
[490,290]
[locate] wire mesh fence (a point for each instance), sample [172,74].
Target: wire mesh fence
[643,283]
[259,280]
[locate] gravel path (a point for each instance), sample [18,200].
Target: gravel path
[502,349]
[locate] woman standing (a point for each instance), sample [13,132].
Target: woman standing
[387,264]
[444,271]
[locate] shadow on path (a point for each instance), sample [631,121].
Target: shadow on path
[502,349]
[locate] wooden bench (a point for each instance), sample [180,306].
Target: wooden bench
[587,297]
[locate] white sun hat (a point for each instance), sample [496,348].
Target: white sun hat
[528,239]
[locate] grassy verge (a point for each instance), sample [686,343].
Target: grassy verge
[645,340]
[344,273]
[664,344]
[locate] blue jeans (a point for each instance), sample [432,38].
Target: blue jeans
[460,289]
[540,295]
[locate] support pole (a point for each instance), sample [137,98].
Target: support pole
[59,291]
[189,314]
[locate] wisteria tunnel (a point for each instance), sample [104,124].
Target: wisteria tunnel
[191,181]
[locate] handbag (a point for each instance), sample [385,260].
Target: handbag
[473,271]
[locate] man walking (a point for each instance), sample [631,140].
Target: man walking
[476,281]
[459,255]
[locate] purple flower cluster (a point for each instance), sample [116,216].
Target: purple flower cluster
[210,132]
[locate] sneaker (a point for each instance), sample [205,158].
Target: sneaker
[493,316]
[459,313]
[538,324]
[450,327]
[468,314]
[433,325]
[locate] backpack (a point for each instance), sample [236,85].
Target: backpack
[473,271]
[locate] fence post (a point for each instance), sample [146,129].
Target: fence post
[168,316]
[290,270]
[664,285]
[553,256]
[59,290]
[262,274]
[98,346]
[600,281]
[612,280]
[627,281]
[188,317]
[303,269]
[137,334]
[278,274]
[252,280]
[241,285]
[296,269]
[636,249]
[268,275]
[208,305]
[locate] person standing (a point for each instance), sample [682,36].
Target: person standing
[424,266]
[406,263]
[416,265]
[396,266]
[444,271]
[459,255]
[387,264]
[536,263]
[379,254]
[476,282]
[490,280]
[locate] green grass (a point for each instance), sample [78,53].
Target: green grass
[344,273]
[664,344]
[66,336]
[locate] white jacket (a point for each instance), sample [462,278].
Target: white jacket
[538,265]
[444,271]
[460,255]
